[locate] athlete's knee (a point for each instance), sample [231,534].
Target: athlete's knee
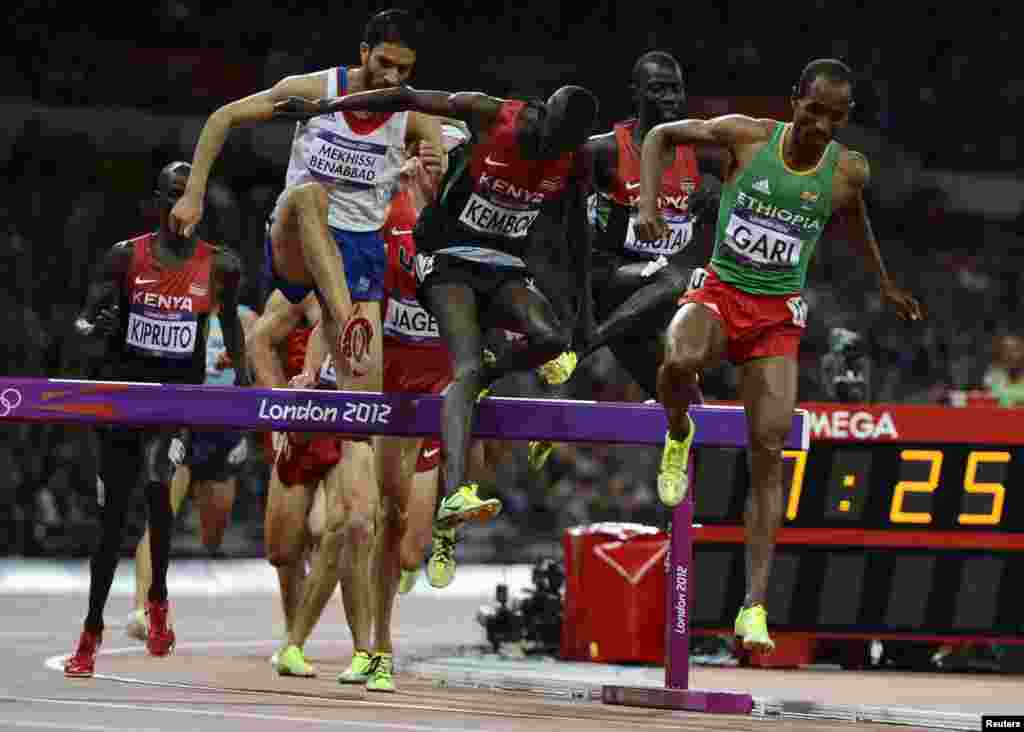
[681,366]
[212,531]
[309,197]
[359,530]
[768,436]
[410,556]
[284,553]
[283,547]
[469,368]
[394,520]
[674,280]
[549,338]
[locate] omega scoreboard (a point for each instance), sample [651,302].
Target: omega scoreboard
[901,522]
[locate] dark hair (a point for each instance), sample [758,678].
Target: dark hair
[831,68]
[662,59]
[391,26]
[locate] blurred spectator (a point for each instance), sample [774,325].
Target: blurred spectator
[1005,377]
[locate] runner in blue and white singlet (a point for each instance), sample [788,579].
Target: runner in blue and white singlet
[340,180]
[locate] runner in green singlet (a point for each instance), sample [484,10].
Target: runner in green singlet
[787,181]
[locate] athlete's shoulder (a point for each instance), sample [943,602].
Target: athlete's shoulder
[310,85]
[765,125]
[125,249]
[128,245]
[739,128]
[854,165]
[601,140]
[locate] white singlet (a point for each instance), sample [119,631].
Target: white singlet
[357,160]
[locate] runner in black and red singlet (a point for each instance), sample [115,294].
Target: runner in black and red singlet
[521,159]
[637,282]
[150,305]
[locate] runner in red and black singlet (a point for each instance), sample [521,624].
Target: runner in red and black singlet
[150,304]
[637,282]
[522,158]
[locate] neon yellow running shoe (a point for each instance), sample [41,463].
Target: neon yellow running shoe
[441,567]
[752,629]
[540,451]
[489,360]
[359,671]
[407,581]
[559,369]
[463,505]
[291,662]
[381,678]
[672,478]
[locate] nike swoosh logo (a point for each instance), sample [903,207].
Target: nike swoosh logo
[400,232]
[430,453]
[631,186]
[489,161]
[140,281]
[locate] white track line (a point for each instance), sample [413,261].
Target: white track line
[224,714]
[19,723]
[56,663]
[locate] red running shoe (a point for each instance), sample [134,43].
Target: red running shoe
[83,663]
[160,641]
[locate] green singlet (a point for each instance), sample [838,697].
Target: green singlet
[770,219]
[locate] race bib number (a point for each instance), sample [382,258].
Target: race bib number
[164,334]
[341,160]
[488,218]
[424,265]
[328,376]
[680,234]
[697,278]
[407,321]
[762,246]
[798,306]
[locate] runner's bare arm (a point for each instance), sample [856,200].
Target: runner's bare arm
[316,353]
[228,282]
[730,131]
[853,214]
[602,154]
[474,108]
[424,132]
[252,109]
[279,318]
[100,315]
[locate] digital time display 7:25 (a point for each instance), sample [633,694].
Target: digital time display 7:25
[877,486]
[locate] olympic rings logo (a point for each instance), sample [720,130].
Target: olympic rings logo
[10,399]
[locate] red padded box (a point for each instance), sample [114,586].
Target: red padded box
[614,606]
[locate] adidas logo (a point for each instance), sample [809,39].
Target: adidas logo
[762,186]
